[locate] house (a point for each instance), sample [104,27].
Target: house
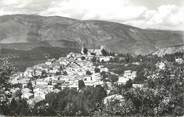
[105,58]
[71,55]
[128,74]
[31,102]
[23,81]
[25,91]
[135,63]
[53,71]
[41,83]
[39,95]
[179,60]
[137,85]
[14,81]
[8,93]
[27,95]
[50,61]
[2,98]
[87,79]
[37,72]
[98,83]
[96,76]
[122,80]
[14,90]
[104,69]
[112,98]
[64,62]
[56,90]
[29,72]
[72,84]
[50,88]
[97,52]
[161,65]
[93,80]
[38,98]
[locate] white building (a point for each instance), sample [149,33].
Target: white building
[137,85]
[29,72]
[128,74]
[27,95]
[105,58]
[112,98]
[161,65]
[39,94]
[122,80]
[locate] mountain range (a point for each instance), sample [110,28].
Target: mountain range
[27,32]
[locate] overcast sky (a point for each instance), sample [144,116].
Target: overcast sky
[160,14]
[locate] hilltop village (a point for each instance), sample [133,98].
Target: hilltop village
[96,82]
[66,72]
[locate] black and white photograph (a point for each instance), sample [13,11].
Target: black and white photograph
[95,58]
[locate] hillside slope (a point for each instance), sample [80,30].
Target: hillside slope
[169,50]
[26,32]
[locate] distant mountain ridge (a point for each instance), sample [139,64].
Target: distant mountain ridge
[26,32]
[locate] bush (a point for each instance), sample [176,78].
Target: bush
[81,84]
[104,52]
[85,50]
[94,59]
[97,70]
[88,73]
[113,78]
[83,58]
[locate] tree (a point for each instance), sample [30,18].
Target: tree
[23,107]
[6,70]
[94,59]
[81,84]
[83,58]
[88,73]
[29,85]
[65,73]
[97,70]
[44,74]
[104,52]
[129,84]
[40,109]
[13,106]
[117,107]
[85,50]
[18,93]
[99,93]
[19,107]
[128,58]
[113,78]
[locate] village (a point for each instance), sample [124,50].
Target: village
[86,71]
[66,72]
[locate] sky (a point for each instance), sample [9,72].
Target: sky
[159,14]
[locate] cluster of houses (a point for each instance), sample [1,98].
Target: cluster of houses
[66,72]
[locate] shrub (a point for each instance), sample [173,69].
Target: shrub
[88,73]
